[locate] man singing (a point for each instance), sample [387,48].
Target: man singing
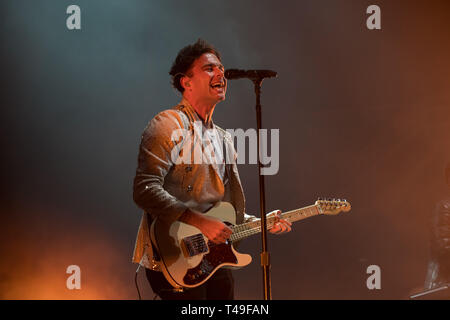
[170,190]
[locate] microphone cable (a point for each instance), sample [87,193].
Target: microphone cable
[135,282]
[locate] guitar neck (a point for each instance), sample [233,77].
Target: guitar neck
[245,230]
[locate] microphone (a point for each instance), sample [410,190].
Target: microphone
[231,74]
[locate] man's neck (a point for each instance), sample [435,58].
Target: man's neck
[204,111]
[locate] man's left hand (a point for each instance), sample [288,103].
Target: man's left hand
[280,225]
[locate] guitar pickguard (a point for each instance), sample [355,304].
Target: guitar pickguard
[218,254]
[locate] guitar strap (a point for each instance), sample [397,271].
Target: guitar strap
[227,162]
[187,123]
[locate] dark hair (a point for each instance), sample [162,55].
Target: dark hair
[186,58]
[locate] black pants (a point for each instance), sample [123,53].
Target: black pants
[219,287]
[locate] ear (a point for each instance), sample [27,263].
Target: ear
[185,82]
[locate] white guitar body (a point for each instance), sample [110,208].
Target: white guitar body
[184,269]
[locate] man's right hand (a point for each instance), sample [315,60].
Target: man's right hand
[215,230]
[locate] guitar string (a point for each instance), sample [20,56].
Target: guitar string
[247,229]
[306,212]
[257,228]
[254,227]
[250,228]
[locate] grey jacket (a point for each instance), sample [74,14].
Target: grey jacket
[164,189]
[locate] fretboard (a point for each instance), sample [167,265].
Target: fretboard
[245,230]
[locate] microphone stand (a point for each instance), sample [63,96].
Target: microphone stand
[257,76]
[265,256]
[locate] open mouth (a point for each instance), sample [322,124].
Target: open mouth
[218,85]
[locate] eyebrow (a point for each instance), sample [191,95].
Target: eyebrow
[219,65]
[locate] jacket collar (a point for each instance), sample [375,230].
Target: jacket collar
[192,114]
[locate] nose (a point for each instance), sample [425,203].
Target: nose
[220,74]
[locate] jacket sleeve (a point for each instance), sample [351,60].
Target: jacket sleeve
[154,162]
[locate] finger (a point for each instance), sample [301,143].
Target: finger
[287,227]
[276,228]
[224,236]
[281,227]
[219,240]
[227,230]
[226,233]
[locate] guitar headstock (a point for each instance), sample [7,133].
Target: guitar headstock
[333,206]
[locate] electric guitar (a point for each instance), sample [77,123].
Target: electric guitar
[189,259]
